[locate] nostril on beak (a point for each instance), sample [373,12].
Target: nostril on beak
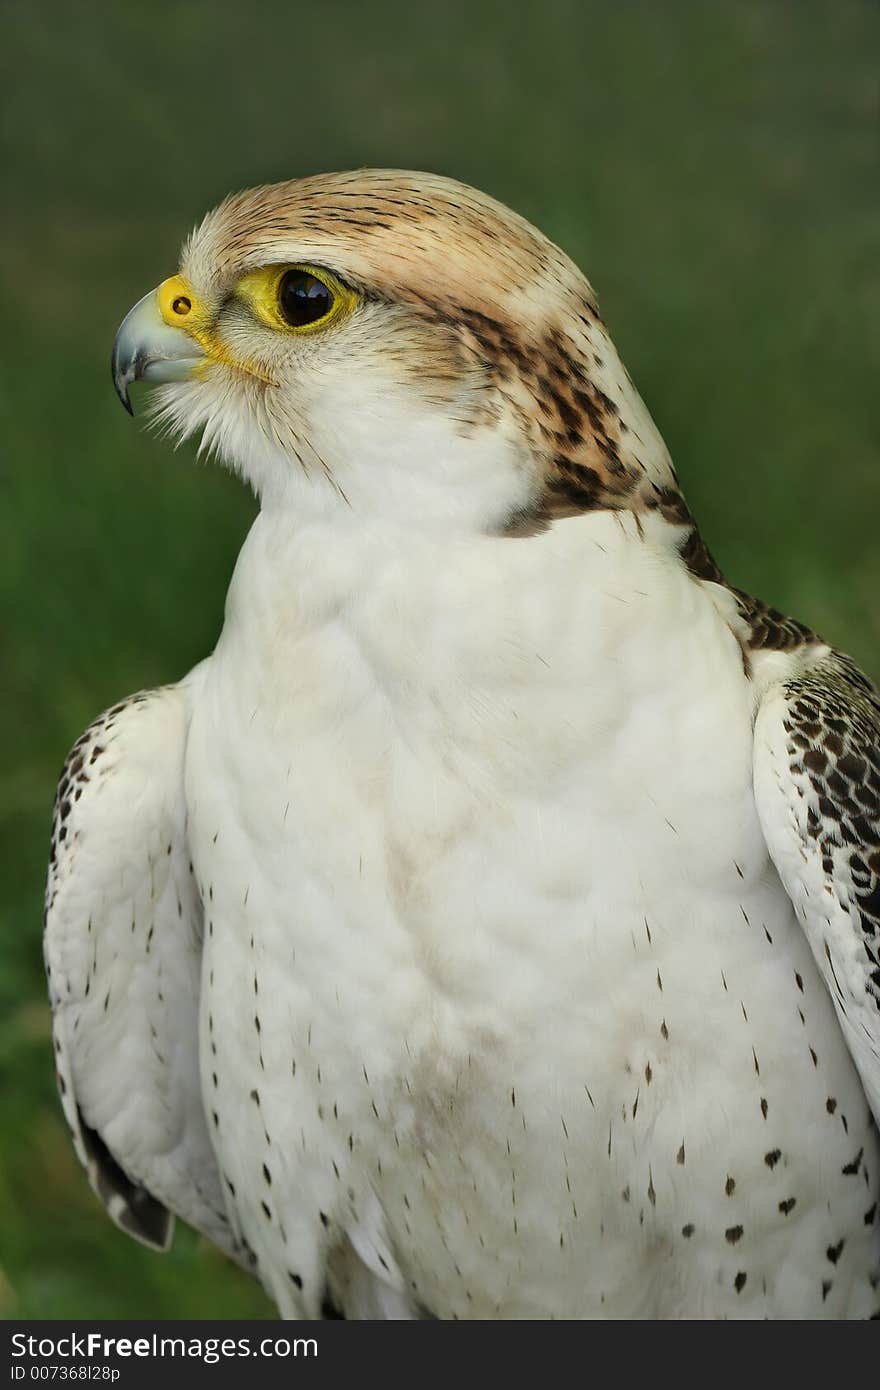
[152,344]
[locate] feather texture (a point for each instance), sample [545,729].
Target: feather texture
[123,954]
[817,784]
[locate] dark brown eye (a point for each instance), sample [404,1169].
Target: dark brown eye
[303,298]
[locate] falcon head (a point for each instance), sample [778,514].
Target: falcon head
[397,344]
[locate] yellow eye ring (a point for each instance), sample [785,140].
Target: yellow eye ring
[296,298]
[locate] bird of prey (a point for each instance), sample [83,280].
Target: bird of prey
[489,926]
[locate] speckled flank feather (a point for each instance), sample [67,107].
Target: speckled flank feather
[505,884]
[818,782]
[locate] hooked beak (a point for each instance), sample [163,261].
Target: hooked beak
[153,342]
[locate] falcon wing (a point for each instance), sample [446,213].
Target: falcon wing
[817,787]
[123,956]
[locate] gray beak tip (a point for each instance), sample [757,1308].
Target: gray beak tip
[120,386]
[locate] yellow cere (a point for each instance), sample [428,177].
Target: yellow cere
[259,289]
[177,305]
[180,308]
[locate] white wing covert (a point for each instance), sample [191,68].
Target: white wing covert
[817,786]
[123,955]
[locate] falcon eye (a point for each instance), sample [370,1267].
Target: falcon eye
[303,299]
[299,298]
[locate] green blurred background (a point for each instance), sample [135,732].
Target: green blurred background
[715,168]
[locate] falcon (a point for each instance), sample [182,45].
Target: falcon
[489,926]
